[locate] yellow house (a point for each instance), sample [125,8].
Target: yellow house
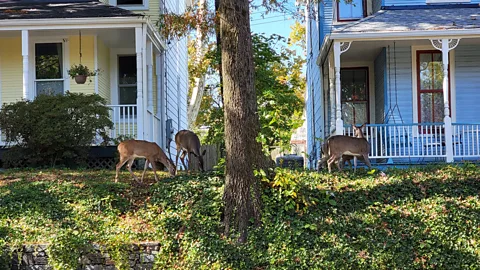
[143,79]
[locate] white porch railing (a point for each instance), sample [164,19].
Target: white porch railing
[124,118]
[466,141]
[424,140]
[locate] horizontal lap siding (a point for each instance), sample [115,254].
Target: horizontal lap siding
[314,93]
[87,60]
[326,18]
[11,69]
[403,57]
[103,54]
[176,80]
[467,83]
[380,66]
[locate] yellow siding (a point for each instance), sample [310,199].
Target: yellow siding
[87,60]
[11,69]
[103,55]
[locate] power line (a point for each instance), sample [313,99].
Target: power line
[260,19]
[268,22]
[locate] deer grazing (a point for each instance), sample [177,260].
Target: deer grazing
[188,143]
[340,145]
[131,149]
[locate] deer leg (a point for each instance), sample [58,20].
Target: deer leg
[129,167]
[119,166]
[182,159]
[338,163]
[145,169]
[354,164]
[330,161]
[179,149]
[154,168]
[367,161]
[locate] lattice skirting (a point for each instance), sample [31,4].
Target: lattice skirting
[107,163]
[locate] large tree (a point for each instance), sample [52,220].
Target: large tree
[241,119]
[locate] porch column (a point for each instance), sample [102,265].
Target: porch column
[139,52]
[445,45]
[338,49]
[158,74]
[26,90]
[331,75]
[150,91]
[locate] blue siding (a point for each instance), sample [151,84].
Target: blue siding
[326,19]
[314,97]
[402,56]
[467,83]
[380,65]
[413,2]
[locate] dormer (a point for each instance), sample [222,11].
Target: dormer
[131,4]
[355,10]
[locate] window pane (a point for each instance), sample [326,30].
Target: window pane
[426,71]
[49,88]
[127,69]
[347,113]
[360,92]
[128,95]
[353,10]
[438,71]
[347,83]
[427,107]
[48,61]
[438,111]
[354,111]
[129,2]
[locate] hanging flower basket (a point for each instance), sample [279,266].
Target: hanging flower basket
[80,79]
[80,73]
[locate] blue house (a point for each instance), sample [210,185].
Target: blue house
[410,69]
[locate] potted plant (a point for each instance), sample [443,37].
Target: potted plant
[80,73]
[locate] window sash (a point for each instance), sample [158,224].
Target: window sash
[350,11]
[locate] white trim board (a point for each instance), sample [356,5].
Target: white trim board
[114,53]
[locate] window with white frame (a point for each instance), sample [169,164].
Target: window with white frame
[350,10]
[127,83]
[131,4]
[49,68]
[446,1]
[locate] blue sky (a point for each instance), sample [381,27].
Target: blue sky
[272,23]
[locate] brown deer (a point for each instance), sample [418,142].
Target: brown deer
[188,143]
[131,149]
[340,145]
[345,158]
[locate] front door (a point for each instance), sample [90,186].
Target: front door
[354,82]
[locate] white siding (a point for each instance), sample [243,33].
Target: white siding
[176,80]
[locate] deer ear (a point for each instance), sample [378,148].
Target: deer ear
[363,125]
[204,151]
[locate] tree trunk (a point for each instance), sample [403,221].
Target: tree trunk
[219,49]
[241,195]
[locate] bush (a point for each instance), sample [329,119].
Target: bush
[53,129]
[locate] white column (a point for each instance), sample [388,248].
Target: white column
[338,49]
[331,75]
[445,45]
[158,74]
[139,48]
[26,89]
[150,120]
[447,119]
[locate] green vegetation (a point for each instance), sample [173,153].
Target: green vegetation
[403,219]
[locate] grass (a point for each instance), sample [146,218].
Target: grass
[419,218]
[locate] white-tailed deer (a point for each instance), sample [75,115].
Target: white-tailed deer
[188,143]
[345,158]
[340,145]
[131,149]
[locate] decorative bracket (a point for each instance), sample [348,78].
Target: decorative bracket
[452,43]
[344,46]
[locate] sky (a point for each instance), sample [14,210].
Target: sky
[272,23]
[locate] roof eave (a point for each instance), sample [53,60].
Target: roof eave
[68,23]
[405,35]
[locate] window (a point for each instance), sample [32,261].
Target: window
[129,2]
[430,87]
[127,82]
[49,68]
[447,1]
[354,83]
[354,10]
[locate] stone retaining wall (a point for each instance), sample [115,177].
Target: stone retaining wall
[35,257]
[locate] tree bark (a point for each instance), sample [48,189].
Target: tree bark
[241,195]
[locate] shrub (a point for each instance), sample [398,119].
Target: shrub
[53,129]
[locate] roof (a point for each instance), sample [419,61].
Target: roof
[416,18]
[36,9]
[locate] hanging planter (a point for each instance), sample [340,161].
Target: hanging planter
[80,79]
[80,72]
